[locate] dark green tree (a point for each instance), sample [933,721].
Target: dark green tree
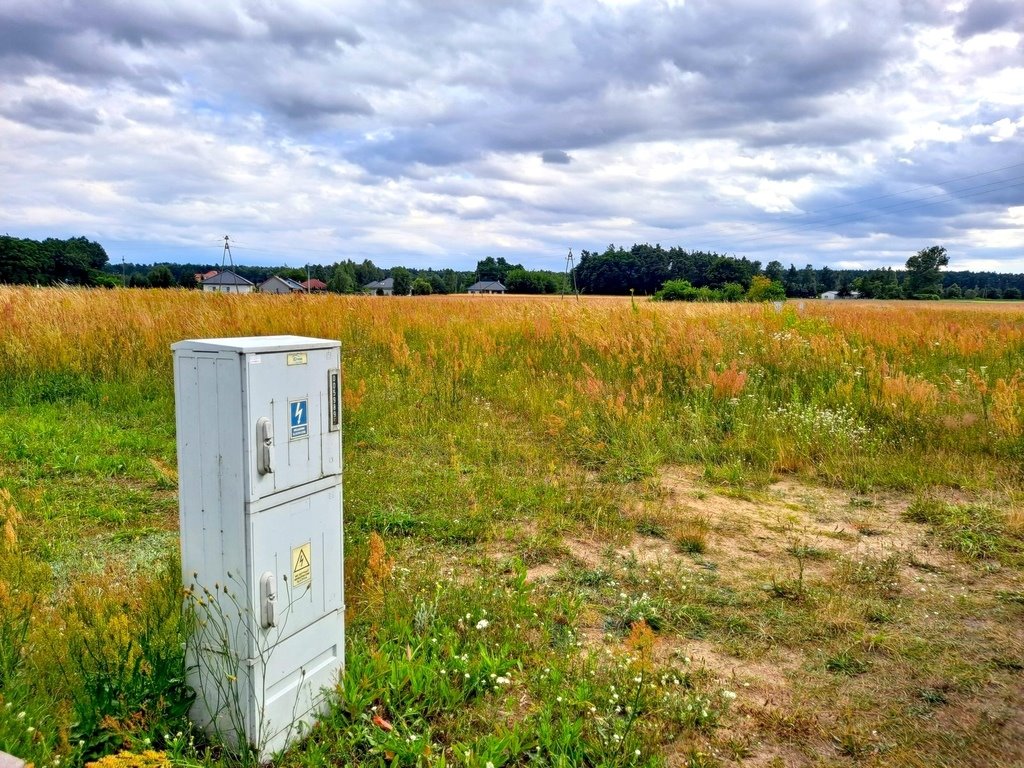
[160,277]
[491,269]
[421,287]
[367,272]
[437,284]
[530,281]
[730,270]
[342,279]
[77,261]
[403,281]
[21,262]
[826,280]
[878,284]
[924,276]
[774,271]
[792,281]
[809,283]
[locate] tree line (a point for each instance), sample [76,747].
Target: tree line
[75,261]
[643,269]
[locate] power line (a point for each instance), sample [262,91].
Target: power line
[266,250]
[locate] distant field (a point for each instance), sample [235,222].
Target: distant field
[594,532]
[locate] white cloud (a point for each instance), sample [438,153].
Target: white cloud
[418,132]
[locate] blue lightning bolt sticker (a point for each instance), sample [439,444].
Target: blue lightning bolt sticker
[298,419]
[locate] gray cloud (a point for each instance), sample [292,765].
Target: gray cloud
[302,102]
[986,15]
[52,115]
[555,157]
[737,68]
[154,46]
[829,130]
[184,24]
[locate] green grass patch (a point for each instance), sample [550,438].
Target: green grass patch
[974,531]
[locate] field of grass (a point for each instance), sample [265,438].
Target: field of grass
[577,532]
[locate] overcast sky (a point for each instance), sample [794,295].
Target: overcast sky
[437,133]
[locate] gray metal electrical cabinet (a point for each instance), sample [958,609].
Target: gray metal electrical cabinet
[259,468]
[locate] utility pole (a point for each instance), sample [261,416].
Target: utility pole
[124,283]
[226,257]
[570,269]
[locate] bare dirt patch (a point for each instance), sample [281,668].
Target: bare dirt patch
[837,622]
[792,525]
[589,553]
[830,678]
[649,550]
[755,679]
[542,571]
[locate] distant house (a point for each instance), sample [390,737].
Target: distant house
[200,276]
[276,284]
[833,295]
[314,285]
[487,286]
[227,282]
[385,287]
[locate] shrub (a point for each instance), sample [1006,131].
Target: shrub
[765,289]
[733,292]
[677,290]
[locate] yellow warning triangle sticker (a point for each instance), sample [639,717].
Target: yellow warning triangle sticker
[301,562]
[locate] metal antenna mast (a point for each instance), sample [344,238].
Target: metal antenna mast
[226,257]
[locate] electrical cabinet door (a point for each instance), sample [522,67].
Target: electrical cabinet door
[288,397]
[300,543]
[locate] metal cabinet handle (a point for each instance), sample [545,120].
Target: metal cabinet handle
[264,446]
